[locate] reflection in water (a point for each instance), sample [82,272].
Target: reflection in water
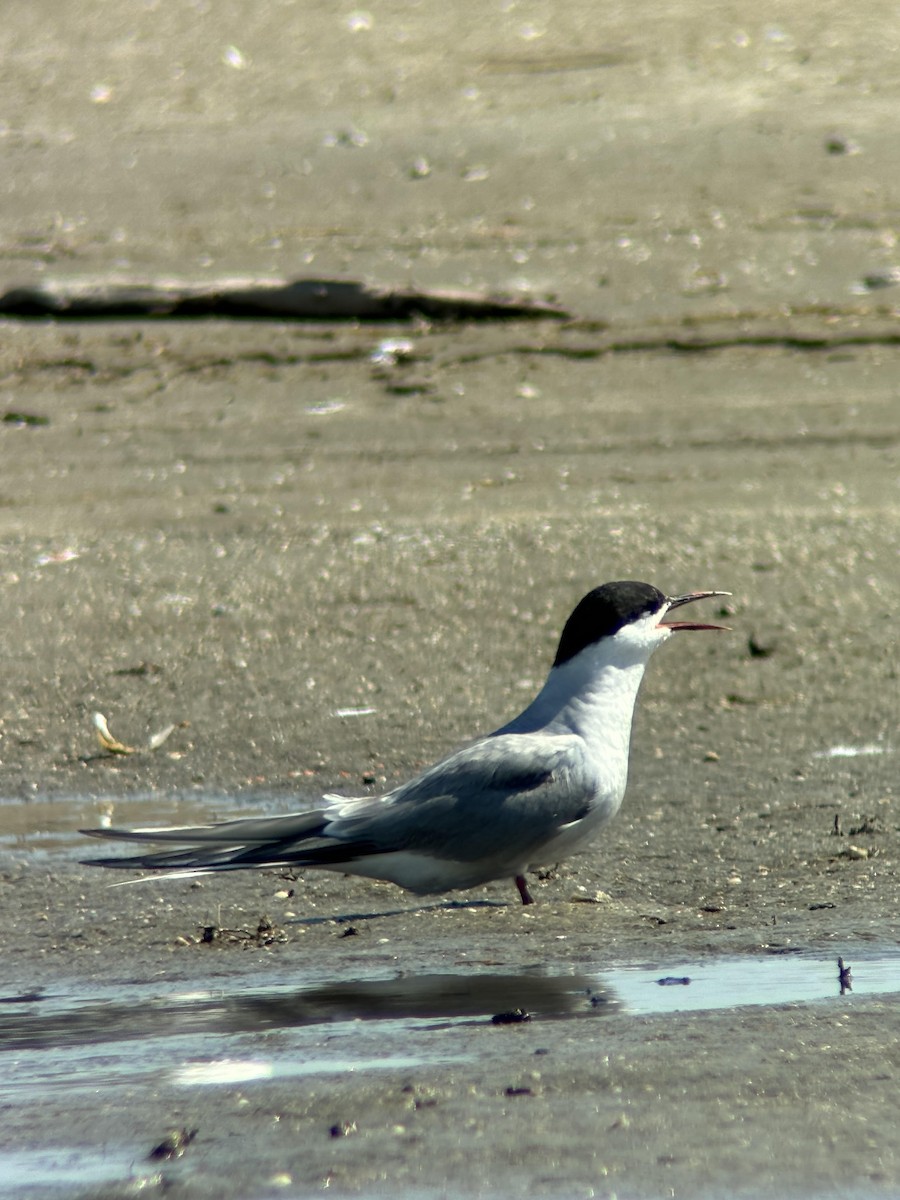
[35,1025]
[34,1021]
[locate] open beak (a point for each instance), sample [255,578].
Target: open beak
[689,598]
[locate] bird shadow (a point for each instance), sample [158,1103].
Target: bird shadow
[346,918]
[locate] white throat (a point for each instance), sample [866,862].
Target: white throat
[589,695]
[593,695]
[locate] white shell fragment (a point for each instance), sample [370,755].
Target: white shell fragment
[112,744]
[106,739]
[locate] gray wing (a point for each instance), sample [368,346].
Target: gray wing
[503,795]
[227,845]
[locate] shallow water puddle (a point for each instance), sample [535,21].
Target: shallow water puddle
[28,1171]
[736,982]
[68,1047]
[335,1025]
[51,824]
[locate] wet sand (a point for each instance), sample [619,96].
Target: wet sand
[247,530]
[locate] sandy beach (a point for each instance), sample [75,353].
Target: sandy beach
[324,567]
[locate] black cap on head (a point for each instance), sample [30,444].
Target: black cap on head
[603,612]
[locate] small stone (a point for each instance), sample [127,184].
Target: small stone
[343,1129]
[173,1145]
[515,1016]
[838,145]
[760,647]
[889,277]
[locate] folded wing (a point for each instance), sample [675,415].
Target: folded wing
[499,798]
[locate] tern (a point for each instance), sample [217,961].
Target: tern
[534,790]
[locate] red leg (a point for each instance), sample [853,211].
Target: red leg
[527,897]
